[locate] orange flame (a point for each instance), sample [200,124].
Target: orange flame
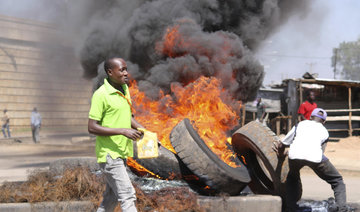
[175,44]
[201,103]
[140,169]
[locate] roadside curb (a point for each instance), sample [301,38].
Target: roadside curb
[76,206]
[210,204]
[241,203]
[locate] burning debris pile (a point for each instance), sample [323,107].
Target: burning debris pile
[253,162]
[189,60]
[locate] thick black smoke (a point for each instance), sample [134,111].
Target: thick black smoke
[135,31]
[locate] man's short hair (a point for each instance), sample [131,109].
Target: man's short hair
[109,64]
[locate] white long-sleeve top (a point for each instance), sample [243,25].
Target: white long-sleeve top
[306,145]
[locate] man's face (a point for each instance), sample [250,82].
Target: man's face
[312,96]
[119,74]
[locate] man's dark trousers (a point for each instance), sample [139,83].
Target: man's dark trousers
[325,170]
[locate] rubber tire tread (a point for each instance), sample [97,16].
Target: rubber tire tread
[166,165]
[201,164]
[262,138]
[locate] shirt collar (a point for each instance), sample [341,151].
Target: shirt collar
[310,102]
[110,89]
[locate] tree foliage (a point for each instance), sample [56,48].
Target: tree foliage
[346,60]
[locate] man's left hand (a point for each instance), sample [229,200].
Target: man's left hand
[279,148]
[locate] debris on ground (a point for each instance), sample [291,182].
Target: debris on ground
[80,184]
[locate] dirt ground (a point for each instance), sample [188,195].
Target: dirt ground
[345,156]
[17,159]
[345,153]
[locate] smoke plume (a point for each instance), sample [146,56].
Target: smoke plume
[218,38]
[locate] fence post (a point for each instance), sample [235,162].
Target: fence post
[350,112]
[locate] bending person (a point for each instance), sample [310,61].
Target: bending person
[307,143]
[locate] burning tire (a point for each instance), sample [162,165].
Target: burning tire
[191,149]
[166,165]
[268,172]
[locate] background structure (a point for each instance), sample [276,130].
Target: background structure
[32,75]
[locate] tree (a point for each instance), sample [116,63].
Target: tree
[346,60]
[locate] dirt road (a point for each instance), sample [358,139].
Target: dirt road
[18,159]
[345,156]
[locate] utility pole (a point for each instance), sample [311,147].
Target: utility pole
[335,60]
[310,66]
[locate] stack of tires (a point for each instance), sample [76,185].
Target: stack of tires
[194,162]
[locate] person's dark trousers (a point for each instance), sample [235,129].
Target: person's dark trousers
[35,133]
[325,170]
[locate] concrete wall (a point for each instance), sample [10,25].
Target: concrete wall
[39,69]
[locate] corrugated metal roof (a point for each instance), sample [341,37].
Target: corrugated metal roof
[272,89]
[323,81]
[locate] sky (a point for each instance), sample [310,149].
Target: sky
[32,9]
[302,44]
[305,44]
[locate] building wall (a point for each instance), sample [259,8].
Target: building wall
[39,69]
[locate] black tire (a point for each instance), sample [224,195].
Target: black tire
[166,165]
[191,149]
[268,172]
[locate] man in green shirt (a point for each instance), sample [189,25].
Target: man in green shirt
[111,120]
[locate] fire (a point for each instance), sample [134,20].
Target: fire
[140,169]
[199,102]
[172,39]
[176,44]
